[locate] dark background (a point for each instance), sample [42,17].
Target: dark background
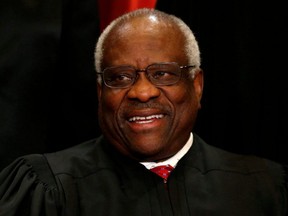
[48,87]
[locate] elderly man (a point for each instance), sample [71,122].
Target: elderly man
[148,160]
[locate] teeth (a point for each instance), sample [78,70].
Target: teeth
[145,119]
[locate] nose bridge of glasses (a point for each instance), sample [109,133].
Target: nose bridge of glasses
[144,71]
[138,73]
[141,70]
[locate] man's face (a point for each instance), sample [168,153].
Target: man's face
[147,122]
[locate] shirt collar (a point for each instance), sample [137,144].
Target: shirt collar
[174,159]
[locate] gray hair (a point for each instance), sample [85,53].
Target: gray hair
[191,47]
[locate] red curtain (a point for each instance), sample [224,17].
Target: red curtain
[111,9]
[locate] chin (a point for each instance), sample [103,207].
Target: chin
[149,153]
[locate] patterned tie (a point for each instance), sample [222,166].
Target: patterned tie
[163,171]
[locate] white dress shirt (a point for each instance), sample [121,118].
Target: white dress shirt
[174,159]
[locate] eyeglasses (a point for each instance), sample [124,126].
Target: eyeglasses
[159,74]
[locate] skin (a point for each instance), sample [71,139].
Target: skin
[141,42]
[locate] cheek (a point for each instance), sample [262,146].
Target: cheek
[109,104]
[111,100]
[181,95]
[185,104]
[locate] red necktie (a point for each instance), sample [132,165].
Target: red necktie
[163,171]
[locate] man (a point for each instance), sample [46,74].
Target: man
[149,89]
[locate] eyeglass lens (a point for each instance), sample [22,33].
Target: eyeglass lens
[158,74]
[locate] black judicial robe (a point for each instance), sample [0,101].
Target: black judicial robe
[93,179]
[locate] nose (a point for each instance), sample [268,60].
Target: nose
[143,90]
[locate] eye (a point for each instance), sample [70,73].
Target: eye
[163,74]
[159,74]
[120,77]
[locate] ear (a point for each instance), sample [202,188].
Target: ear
[99,90]
[199,85]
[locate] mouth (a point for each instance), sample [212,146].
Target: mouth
[140,123]
[145,119]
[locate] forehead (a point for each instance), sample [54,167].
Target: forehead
[149,25]
[148,35]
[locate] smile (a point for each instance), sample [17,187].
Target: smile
[145,119]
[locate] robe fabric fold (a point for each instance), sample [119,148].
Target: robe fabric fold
[93,179]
